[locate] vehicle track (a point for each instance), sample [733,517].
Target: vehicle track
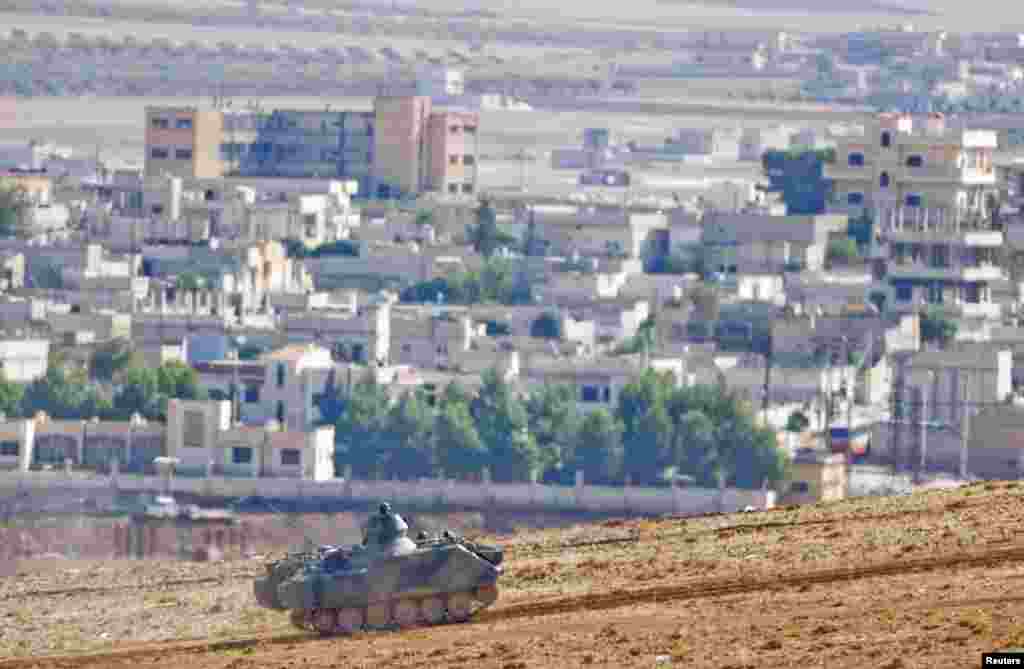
[579,603]
[531,550]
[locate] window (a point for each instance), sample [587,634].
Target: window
[159,154]
[940,256]
[883,181]
[241,455]
[856,160]
[913,200]
[886,139]
[855,198]
[183,124]
[183,154]
[281,412]
[210,196]
[406,348]
[800,488]
[468,160]
[192,435]
[158,209]
[453,129]
[291,457]
[904,292]
[469,129]
[160,123]
[467,188]
[453,189]
[590,393]
[935,293]
[9,448]
[915,161]
[453,160]
[252,394]
[280,375]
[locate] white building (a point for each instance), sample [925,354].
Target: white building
[24,360]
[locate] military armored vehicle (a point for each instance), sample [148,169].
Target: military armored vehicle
[389,581]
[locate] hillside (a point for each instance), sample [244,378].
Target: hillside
[911,581]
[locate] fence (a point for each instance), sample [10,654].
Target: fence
[425,492]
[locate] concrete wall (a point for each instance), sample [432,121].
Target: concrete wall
[598,499]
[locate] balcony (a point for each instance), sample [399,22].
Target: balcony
[985,272]
[946,235]
[988,310]
[944,174]
[923,271]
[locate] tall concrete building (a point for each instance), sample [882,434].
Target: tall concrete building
[183,142]
[400,144]
[452,152]
[929,191]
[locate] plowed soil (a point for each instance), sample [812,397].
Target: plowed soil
[926,580]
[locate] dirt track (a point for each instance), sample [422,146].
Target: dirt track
[572,601]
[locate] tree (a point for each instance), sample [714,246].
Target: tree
[110,358]
[11,395]
[553,421]
[460,451]
[938,327]
[717,440]
[407,441]
[13,202]
[842,251]
[359,428]
[146,391]
[502,423]
[64,395]
[190,283]
[547,326]
[799,176]
[646,436]
[597,450]
[485,234]
[797,422]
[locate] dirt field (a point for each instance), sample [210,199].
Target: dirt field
[928,580]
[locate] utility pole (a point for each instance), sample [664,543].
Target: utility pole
[965,419]
[923,392]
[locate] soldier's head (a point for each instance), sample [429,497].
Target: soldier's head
[385,509]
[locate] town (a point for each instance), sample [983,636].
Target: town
[642,272]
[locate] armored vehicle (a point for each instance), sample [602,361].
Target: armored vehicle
[390,580]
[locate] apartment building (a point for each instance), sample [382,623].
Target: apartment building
[452,152]
[183,142]
[402,146]
[930,191]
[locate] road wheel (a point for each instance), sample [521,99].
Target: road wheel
[325,621]
[299,619]
[432,610]
[460,607]
[350,621]
[406,613]
[487,594]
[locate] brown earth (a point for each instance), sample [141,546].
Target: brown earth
[927,580]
